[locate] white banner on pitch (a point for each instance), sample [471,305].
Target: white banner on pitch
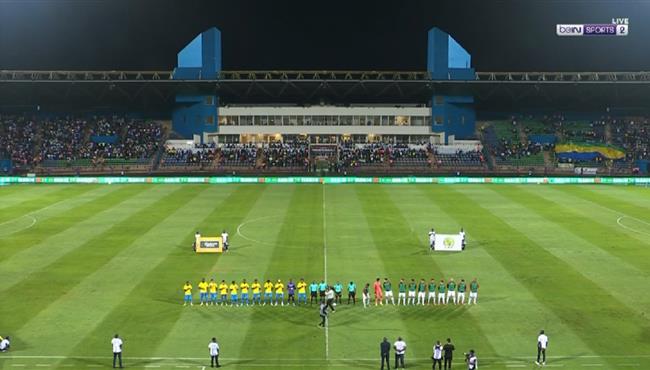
[448,242]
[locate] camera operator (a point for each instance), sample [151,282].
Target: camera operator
[472,361]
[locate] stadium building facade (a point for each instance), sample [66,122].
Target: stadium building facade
[448,117]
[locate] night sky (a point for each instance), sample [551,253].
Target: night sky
[282,34]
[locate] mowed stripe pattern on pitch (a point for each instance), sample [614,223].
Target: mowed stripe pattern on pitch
[527,259]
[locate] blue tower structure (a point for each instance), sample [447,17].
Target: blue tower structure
[451,115]
[199,60]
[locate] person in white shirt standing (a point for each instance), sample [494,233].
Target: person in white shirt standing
[472,361]
[437,355]
[542,343]
[224,240]
[432,239]
[400,350]
[116,342]
[4,344]
[213,346]
[462,238]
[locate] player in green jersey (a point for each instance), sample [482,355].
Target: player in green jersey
[451,291]
[422,292]
[461,291]
[401,295]
[412,288]
[388,291]
[431,298]
[473,291]
[442,288]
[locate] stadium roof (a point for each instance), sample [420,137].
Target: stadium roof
[494,90]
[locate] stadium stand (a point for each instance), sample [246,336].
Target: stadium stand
[114,143]
[238,156]
[286,155]
[360,155]
[403,155]
[17,140]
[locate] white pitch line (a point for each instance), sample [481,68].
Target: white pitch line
[618,221]
[249,222]
[327,324]
[30,215]
[591,365]
[21,229]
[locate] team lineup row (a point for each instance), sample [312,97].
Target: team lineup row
[272,293]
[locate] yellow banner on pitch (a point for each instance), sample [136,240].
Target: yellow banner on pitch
[209,244]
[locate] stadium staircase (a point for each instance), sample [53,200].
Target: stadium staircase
[549,160]
[523,137]
[261,159]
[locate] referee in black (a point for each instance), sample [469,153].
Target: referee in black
[384,348]
[448,349]
[322,311]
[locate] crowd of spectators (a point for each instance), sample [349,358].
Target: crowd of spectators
[407,153]
[107,126]
[633,135]
[583,131]
[17,139]
[46,139]
[61,139]
[507,150]
[141,139]
[286,154]
[239,155]
[197,155]
[355,155]
[460,158]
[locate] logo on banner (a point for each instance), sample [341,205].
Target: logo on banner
[448,243]
[618,27]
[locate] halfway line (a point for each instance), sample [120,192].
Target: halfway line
[327,324]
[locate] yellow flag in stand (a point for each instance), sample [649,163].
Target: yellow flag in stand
[607,152]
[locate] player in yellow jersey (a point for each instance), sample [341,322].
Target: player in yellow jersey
[203,291]
[223,292]
[302,291]
[279,293]
[244,292]
[233,293]
[268,292]
[187,291]
[256,287]
[212,287]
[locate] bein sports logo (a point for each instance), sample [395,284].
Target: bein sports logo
[448,242]
[569,29]
[618,27]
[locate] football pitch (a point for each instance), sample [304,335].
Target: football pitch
[79,263]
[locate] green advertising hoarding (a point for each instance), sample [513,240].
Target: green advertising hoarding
[322,180]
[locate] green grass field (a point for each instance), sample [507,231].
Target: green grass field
[79,263]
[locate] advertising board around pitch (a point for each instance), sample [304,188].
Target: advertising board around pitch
[448,243]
